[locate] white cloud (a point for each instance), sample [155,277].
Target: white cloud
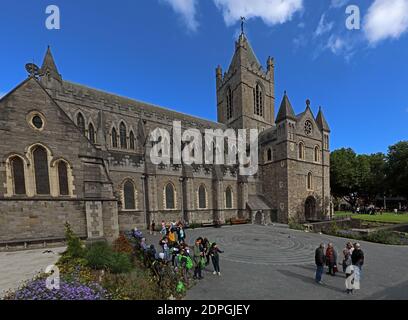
[323,26]
[386,19]
[338,3]
[270,11]
[336,44]
[187,9]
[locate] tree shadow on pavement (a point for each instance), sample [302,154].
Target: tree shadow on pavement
[309,280]
[399,292]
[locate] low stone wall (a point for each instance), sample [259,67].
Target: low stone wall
[31,220]
[322,226]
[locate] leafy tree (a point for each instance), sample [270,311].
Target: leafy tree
[397,168]
[343,175]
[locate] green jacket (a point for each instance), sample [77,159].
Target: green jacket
[196,254]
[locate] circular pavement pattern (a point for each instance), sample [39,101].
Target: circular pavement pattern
[263,246]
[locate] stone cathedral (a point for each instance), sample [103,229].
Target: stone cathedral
[72,153]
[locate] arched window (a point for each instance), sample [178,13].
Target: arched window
[129,195]
[258,101]
[309,181]
[132,140]
[229,104]
[81,122]
[114,138]
[301,151]
[17,167]
[317,154]
[269,155]
[91,131]
[170,199]
[326,142]
[122,130]
[228,198]
[63,178]
[42,179]
[202,197]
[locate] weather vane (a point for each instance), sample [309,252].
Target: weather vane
[242,24]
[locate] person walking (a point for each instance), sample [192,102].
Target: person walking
[153,228]
[197,255]
[320,260]
[181,234]
[215,258]
[346,259]
[357,260]
[331,259]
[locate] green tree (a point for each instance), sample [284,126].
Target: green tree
[397,168]
[343,175]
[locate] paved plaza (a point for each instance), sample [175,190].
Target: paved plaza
[18,266]
[275,262]
[259,263]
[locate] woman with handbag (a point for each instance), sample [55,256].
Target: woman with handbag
[331,259]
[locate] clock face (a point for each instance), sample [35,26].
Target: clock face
[308,127]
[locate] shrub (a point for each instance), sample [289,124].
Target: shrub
[123,245]
[75,247]
[136,285]
[383,236]
[293,224]
[101,256]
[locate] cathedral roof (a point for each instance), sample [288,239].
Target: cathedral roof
[88,97]
[321,121]
[49,65]
[244,54]
[285,110]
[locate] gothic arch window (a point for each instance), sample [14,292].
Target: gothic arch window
[81,122]
[301,151]
[317,154]
[114,138]
[309,181]
[91,132]
[258,101]
[41,172]
[132,140]
[326,142]
[17,169]
[129,195]
[230,109]
[63,178]
[170,200]
[202,197]
[269,155]
[228,198]
[122,133]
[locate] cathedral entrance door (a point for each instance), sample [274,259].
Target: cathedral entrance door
[258,217]
[310,209]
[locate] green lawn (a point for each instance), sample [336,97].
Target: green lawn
[386,217]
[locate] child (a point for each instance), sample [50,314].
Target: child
[153,228]
[215,258]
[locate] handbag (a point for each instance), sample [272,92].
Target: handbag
[335,268]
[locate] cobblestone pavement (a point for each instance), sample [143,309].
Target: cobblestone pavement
[18,266]
[275,262]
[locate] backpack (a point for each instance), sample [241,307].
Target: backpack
[189,263]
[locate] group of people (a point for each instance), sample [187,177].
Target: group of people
[176,251]
[352,264]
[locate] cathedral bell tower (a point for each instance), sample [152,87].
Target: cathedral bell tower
[246,92]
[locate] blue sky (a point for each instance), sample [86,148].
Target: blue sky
[166,51]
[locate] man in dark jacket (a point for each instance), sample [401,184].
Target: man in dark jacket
[320,260]
[357,258]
